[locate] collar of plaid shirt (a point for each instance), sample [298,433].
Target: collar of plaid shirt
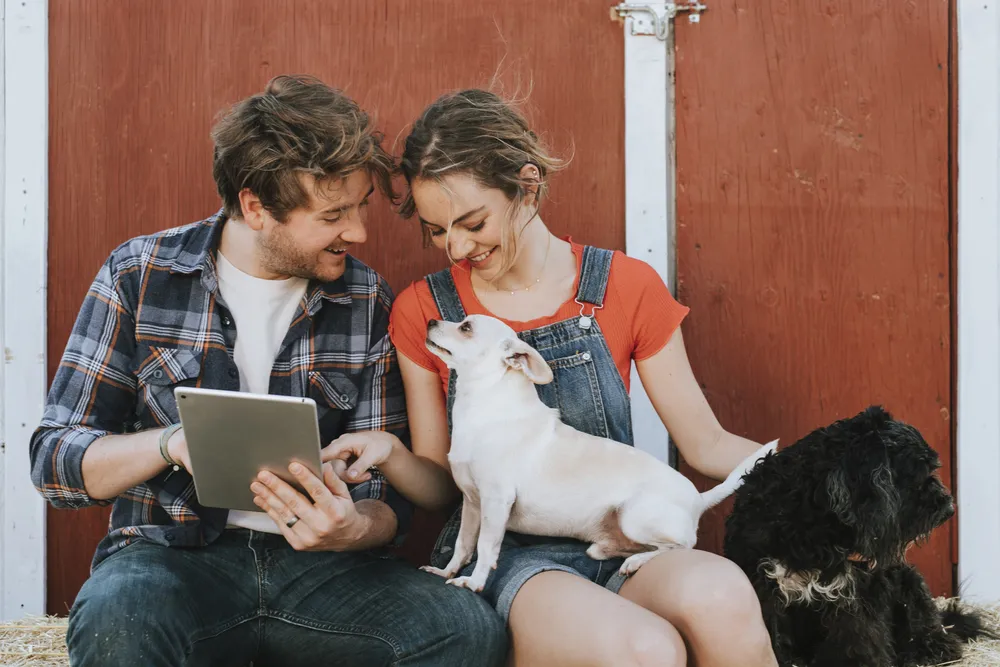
[153,320]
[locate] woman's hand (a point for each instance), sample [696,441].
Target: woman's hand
[369,449]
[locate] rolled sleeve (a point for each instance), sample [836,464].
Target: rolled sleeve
[91,396]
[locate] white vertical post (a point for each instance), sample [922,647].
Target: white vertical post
[649,175]
[978,413]
[23,229]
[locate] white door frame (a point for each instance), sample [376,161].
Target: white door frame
[650,202]
[978,391]
[24,55]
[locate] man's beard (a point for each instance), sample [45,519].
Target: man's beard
[279,255]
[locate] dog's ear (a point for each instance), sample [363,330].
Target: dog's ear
[862,493]
[522,357]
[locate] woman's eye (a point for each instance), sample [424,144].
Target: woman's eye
[437,231]
[478,227]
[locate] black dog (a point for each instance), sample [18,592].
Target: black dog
[822,527]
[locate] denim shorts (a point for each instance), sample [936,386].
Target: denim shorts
[519,562]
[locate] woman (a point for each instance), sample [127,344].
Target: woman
[477,177]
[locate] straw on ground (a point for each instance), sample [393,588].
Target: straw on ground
[40,641]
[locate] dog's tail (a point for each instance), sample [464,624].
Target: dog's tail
[964,623]
[717,494]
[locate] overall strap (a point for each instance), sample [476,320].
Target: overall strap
[446,296]
[594,275]
[450,306]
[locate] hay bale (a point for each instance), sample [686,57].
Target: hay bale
[40,641]
[34,641]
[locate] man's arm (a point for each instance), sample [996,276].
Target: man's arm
[77,458]
[114,464]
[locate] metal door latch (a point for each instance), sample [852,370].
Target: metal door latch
[654,19]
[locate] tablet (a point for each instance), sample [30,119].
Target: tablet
[232,436]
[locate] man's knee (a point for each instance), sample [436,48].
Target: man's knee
[116,620]
[102,630]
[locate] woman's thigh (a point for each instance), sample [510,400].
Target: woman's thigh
[708,599]
[558,618]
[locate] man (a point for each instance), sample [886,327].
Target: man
[260,297]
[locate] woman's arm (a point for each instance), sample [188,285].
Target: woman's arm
[679,401]
[422,475]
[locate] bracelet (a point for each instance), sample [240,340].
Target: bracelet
[164,437]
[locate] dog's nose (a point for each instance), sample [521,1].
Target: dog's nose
[432,324]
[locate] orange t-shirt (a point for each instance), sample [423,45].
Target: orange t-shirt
[638,318]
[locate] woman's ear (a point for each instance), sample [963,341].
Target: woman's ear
[531,176]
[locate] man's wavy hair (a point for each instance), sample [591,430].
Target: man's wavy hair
[297,125]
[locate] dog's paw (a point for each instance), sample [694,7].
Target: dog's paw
[444,574]
[633,563]
[472,583]
[597,552]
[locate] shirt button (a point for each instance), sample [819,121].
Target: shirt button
[226,320]
[586,356]
[158,374]
[170,538]
[233,372]
[344,398]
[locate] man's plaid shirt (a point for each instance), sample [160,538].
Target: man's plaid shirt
[154,320]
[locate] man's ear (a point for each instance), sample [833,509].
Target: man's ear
[252,209]
[520,356]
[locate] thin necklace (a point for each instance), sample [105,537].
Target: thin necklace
[548,244]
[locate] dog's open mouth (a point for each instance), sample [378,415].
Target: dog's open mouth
[434,347]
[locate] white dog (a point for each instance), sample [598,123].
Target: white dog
[520,467]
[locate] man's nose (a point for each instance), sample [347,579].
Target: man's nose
[356,232]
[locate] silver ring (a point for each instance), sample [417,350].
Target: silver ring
[291,522]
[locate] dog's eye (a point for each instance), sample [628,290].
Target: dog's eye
[465,327]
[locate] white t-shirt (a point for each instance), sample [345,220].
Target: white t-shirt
[262,311]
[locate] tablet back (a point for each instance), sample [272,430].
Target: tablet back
[232,436]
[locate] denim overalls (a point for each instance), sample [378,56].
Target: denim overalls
[590,395]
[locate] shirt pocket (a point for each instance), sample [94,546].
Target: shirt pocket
[335,394]
[163,370]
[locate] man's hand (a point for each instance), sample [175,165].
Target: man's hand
[328,522]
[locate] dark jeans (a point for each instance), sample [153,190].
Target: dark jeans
[251,597]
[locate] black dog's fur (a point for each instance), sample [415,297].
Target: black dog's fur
[831,517]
